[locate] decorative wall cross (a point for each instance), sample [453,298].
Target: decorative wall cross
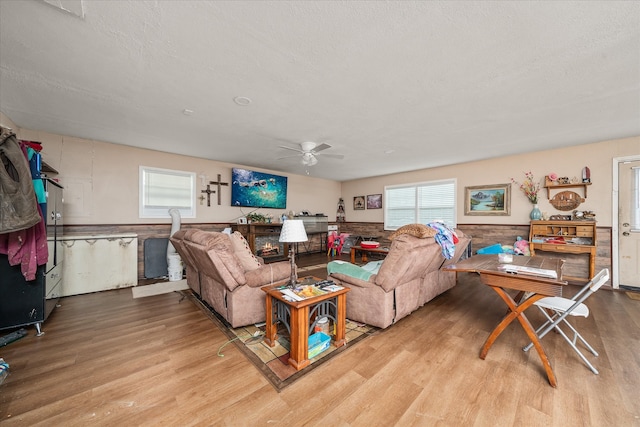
[219,183]
[208,191]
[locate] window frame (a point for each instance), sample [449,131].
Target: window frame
[416,205]
[161,211]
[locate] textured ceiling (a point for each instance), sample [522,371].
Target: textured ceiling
[436,82]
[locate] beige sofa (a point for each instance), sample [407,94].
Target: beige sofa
[223,272]
[409,277]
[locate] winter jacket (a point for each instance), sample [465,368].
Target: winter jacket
[18,203]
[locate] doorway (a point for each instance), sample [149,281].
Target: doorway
[626,222]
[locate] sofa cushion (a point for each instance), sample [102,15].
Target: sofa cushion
[247,259]
[420,231]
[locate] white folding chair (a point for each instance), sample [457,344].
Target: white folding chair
[560,308]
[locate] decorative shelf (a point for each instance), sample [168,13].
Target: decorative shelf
[549,184]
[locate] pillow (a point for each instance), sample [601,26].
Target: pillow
[420,231]
[241,248]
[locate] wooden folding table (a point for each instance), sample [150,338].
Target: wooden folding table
[488,267]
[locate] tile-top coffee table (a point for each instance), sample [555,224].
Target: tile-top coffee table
[299,317]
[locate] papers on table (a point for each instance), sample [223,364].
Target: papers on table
[303,292]
[532,271]
[290,295]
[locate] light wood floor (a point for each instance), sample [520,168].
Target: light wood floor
[109,359]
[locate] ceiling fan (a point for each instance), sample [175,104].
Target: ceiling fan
[309,151]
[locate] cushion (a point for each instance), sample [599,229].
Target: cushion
[241,248]
[420,231]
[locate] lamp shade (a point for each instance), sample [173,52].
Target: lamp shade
[293,231]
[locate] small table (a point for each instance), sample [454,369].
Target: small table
[487,267]
[299,318]
[364,251]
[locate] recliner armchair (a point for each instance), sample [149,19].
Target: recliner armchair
[220,276]
[408,278]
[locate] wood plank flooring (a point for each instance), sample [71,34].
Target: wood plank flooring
[109,359]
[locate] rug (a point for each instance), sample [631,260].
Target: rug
[272,361]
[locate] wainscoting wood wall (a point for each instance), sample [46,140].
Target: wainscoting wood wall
[482,235]
[489,234]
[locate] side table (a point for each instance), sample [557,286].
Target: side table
[364,251]
[299,318]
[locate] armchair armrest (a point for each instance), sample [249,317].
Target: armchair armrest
[267,274]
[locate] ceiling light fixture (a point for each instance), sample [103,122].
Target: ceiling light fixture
[309,159]
[243,101]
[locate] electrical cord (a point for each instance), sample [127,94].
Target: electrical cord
[255,335]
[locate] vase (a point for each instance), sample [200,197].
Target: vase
[535,213]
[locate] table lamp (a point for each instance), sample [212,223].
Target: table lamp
[293,232]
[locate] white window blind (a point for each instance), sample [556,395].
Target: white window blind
[420,203]
[164,189]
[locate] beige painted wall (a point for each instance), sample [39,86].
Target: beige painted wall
[101,182]
[565,162]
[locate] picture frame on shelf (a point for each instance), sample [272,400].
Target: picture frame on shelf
[358,203]
[374,201]
[494,199]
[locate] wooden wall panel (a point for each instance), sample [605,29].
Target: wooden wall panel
[482,235]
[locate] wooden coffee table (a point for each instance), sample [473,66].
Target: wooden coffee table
[299,318]
[364,251]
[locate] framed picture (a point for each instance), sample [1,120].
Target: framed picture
[488,200]
[358,203]
[374,201]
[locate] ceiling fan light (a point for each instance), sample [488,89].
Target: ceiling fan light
[309,159]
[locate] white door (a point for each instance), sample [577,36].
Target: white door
[629,223]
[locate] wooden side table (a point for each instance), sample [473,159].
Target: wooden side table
[364,251]
[299,318]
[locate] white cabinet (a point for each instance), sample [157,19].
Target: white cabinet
[99,262]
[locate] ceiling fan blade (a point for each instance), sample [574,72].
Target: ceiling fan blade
[320,147]
[291,148]
[288,157]
[333,156]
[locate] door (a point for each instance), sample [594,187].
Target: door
[629,223]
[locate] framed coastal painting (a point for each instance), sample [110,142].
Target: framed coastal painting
[358,203]
[374,201]
[487,200]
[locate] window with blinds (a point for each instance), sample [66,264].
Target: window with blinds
[164,189]
[420,203]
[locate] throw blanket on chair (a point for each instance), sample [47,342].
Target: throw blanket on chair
[352,270]
[445,237]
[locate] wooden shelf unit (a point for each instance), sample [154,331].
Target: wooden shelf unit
[549,184]
[541,234]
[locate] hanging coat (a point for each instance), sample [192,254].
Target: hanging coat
[18,203]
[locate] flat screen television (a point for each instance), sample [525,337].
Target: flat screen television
[258,189]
